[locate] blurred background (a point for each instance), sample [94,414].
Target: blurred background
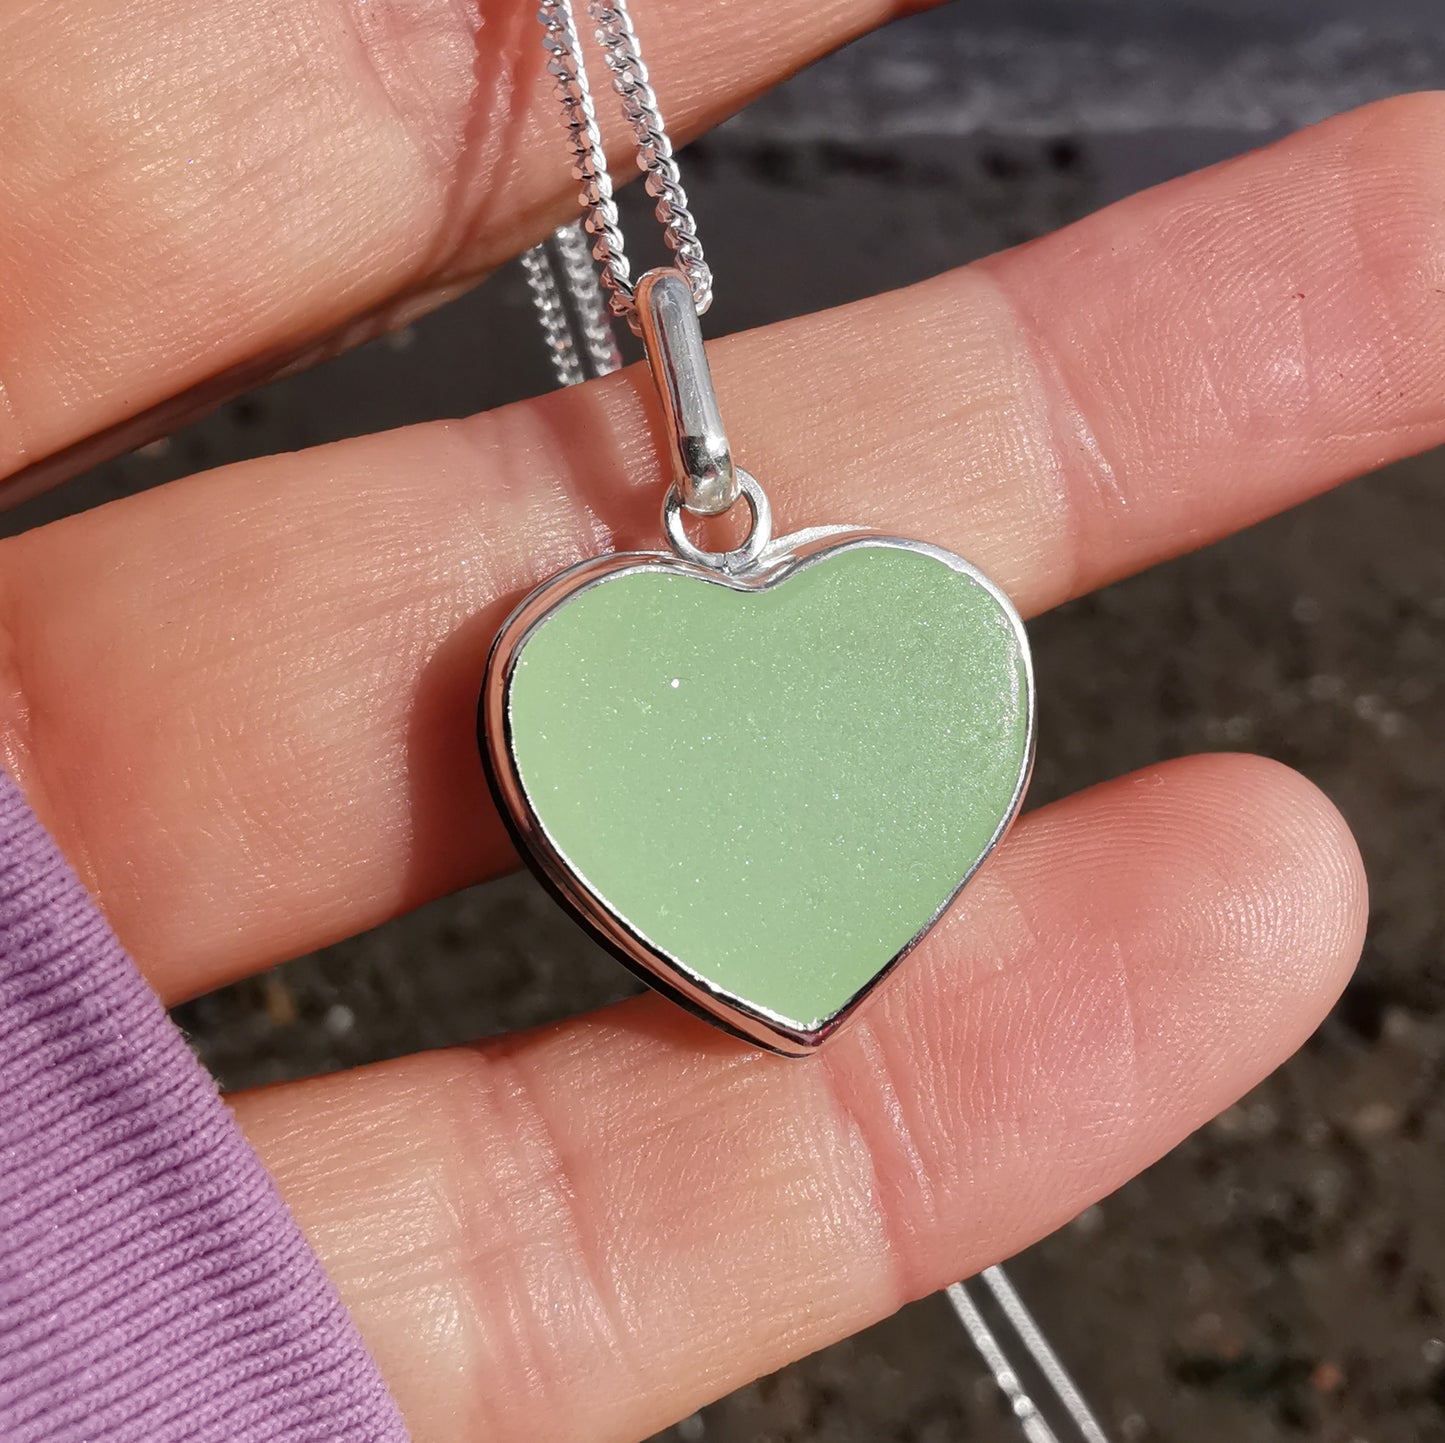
[1282,1274]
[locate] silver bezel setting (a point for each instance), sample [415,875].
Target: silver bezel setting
[783,558]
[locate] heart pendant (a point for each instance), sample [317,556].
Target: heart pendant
[761,791]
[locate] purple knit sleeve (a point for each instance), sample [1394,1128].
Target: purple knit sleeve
[153,1287]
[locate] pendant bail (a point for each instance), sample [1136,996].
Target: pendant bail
[706,479]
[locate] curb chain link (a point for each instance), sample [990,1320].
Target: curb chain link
[623,58]
[552,316]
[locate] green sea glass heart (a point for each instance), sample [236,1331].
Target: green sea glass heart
[770,790]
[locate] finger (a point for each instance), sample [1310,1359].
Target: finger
[194,193]
[588,1233]
[244,704]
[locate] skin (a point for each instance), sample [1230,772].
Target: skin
[243,702]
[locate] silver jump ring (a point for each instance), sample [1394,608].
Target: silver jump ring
[742,558]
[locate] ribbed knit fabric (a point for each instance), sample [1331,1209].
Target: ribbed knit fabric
[153,1287]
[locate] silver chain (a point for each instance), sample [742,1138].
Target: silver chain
[571,308]
[552,316]
[994,1347]
[565,63]
[589,305]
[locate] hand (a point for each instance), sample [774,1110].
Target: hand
[244,703]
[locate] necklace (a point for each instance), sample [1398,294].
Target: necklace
[758,775]
[573,311]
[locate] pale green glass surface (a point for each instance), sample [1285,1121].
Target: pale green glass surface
[778,789]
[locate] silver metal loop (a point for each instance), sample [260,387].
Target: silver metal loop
[741,559]
[702,461]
